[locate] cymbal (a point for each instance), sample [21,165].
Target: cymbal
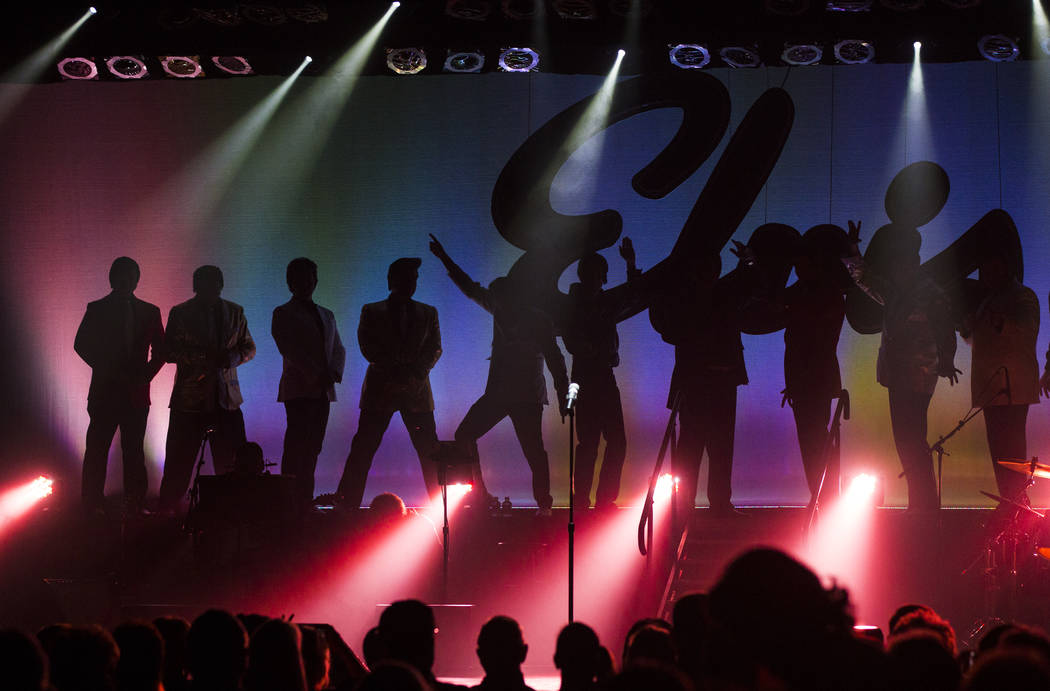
[1004,500]
[1022,466]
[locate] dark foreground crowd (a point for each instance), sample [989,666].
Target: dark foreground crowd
[767,624]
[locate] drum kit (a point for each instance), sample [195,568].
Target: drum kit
[1016,555]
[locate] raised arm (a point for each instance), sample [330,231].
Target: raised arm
[464,282]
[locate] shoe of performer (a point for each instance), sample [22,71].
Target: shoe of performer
[605,507]
[544,512]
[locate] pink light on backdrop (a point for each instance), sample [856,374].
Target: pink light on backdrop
[840,546]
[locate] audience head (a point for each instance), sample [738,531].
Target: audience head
[577,654]
[387,507]
[217,650]
[501,647]
[926,619]
[649,641]
[208,282]
[407,629]
[372,648]
[391,675]
[301,276]
[275,662]
[124,275]
[141,664]
[903,611]
[1015,670]
[402,275]
[249,459]
[317,658]
[22,662]
[920,662]
[174,631]
[82,658]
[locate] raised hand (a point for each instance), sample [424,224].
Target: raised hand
[627,251]
[743,253]
[436,247]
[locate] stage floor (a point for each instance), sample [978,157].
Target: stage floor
[60,565]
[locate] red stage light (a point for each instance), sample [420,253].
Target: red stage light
[665,484]
[17,501]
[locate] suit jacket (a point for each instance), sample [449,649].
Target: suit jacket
[813,315]
[313,358]
[121,371]
[522,340]
[1004,370]
[400,356]
[207,344]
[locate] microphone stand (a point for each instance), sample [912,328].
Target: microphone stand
[831,442]
[645,524]
[572,498]
[195,488]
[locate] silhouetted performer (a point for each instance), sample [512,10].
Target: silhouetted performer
[1005,371]
[522,339]
[590,336]
[121,338]
[918,345]
[701,316]
[308,339]
[501,651]
[814,308]
[207,339]
[401,340]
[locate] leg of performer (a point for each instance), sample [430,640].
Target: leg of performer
[528,426]
[720,439]
[303,440]
[185,433]
[908,410]
[423,432]
[481,417]
[691,442]
[1005,426]
[370,429]
[229,436]
[615,447]
[132,442]
[811,423]
[101,428]
[589,409]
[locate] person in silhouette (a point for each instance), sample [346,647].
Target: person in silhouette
[918,345]
[401,340]
[141,663]
[313,357]
[1005,378]
[700,315]
[522,339]
[122,339]
[501,651]
[578,657]
[407,630]
[590,336]
[207,339]
[216,652]
[275,662]
[814,308]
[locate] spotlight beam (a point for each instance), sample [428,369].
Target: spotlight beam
[203,184]
[17,80]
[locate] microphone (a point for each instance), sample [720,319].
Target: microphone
[574,391]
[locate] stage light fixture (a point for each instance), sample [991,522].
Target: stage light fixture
[854,51]
[464,61]
[308,13]
[848,5]
[788,8]
[406,60]
[519,9]
[519,60]
[181,66]
[77,68]
[127,67]
[575,9]
[219,15]
[232,64]
[740,56]
[689,56]
[802,54]
[903,5]
[93,10]
[470,10]
[263,13]
[998,48]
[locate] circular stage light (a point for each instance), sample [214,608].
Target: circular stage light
[263,13]
[77,68]
[689,56]
[854,52]
[464,61]
[232,64]
[308,13]
[470,10]
[739,56]
[220,16]
[802,54]
[406,60]
[849,5]
[519,9]
[181,66]
[998,48]
[126,67]
[575,9]
[519,60]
